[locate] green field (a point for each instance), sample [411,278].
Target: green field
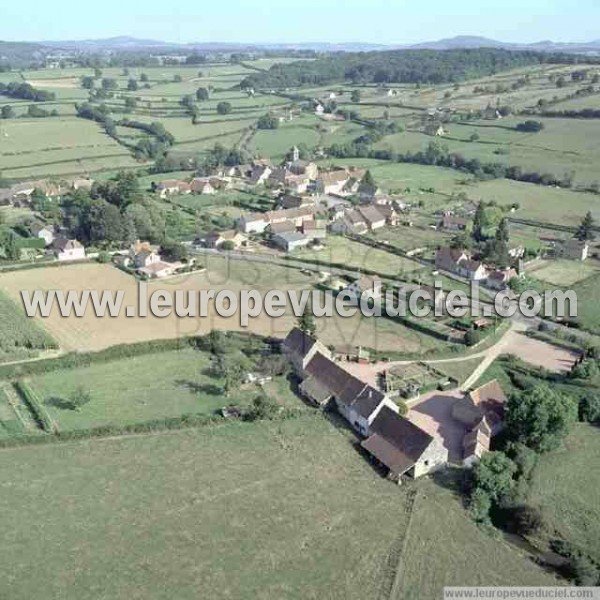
[354,255]
[568,491]
[261,510]
[154,386]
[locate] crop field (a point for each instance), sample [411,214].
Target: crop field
[143,388]
[588,308]
[236,509]
[90,333]
[568,491]
[9,420]
[20,337]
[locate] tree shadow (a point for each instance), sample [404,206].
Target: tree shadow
[200,388]
[61,403]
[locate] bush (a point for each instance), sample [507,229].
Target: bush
[530,126]
[528,520]
[473,336]
[224,108]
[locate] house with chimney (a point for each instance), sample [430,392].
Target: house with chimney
[457,261]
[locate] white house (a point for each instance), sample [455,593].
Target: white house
[289,241]
[44,232]
[65,249]
[253,223]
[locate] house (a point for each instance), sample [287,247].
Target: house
[299,347]
[145,258]
[481,411]
[573,250]
[215,239]
[296,215]
[296,183]
[434,129]
[452,223]
[241,171]
[372,216]
[491,113]
[290,241]
[157,270]
[356,401]
[282,227]
[65,249]
[351,222]
[304,167]
[173,186]
[498,279]
[202,185]
[221,184]
[315,229]
[403,447]
[293,201]
[253,223]
[319,109]
[332,182]
[44,232]
[260,174]
[458,262]
[366,283]
[82,184]
[389,214]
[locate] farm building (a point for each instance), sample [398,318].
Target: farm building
[290,241]
[299,348]
[402,447]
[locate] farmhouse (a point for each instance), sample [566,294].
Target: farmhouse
[402,447]
[351,222]
[253,222]
[159,269]
[299,348]
[292,201]
[296,215]
[290,241]
[215,239]
[372,216]
[315,229]
[573,250]
[458,262]
[260,174]
[282,227]
[82,184]
[173,186]
[332,182]
[481,411]
[145,258]
[499,278]
[452,223]
[389,214]
[65,249]
[202,185]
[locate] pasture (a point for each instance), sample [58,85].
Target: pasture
[563,272]
[144,388]
[567,490]
[269,510]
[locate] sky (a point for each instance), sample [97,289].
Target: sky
[268,21]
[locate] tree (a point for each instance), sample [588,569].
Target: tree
[540,417]
[202,94]
[132,85]
[80,397]
[7,112]
[589,408]
[174,251]
[480,506]
[369,179]
[228,245]
[474,137]
[306,322]
[585,231]
[87,82]
[530,126]
[355,96]
[232,368]
[144,78]
[263,408]
[494,474]
[109,84]
[224,108]
[479,223]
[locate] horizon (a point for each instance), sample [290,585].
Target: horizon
[382,22]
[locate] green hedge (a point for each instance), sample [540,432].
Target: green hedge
[40,414]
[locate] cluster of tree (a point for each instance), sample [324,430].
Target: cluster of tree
[376,130]
[25,91]
[437,154]
[224,108]
[530,126]
[219,156]
[36,112]
[398,66]
[267,121]
[584,113]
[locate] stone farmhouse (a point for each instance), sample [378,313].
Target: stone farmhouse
[65,249]
[460,263]
[392,441]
